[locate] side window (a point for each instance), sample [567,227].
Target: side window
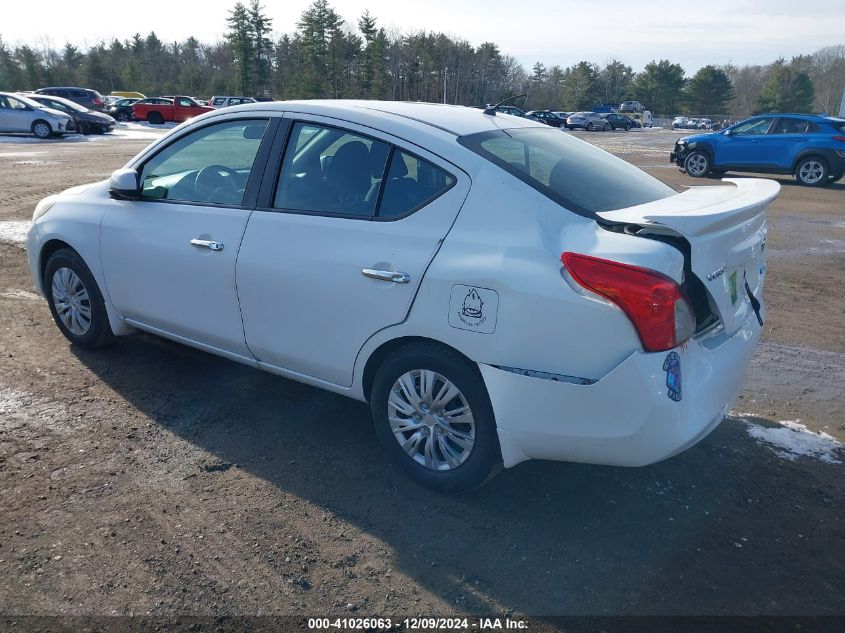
[212,164]
[185,103]
[330,170]
[14,104]
[411,183]
[752,128]
[219,101]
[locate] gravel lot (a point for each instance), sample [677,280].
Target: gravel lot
[150,478]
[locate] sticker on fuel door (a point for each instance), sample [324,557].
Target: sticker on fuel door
[474,309]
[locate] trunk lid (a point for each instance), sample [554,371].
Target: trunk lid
[725,227]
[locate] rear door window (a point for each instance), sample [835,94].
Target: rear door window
[411,184]
[573,173]
[330,170]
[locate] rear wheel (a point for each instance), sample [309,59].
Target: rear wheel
[433,416]
[122,116]
[75,300]
[155,118]
[697,164]
[812,171]
[42,129]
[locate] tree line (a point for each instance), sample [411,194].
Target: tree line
[327,57]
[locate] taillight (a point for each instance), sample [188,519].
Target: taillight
[839,138]
[97,101]
[654,303]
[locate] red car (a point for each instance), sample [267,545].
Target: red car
[158,110]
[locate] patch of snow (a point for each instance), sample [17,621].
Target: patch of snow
[23,140]
[12,400]
[20,154]
[791,440]
[14,231]
[17,293]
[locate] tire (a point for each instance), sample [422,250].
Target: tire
[697,164]
[64,273]
[812,171]
[41,129]
[607,126]
[449,465]
[122,117]
[835,177]
[84,128]
[155,118]
[589,127]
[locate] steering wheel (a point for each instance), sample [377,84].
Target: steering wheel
[210,180]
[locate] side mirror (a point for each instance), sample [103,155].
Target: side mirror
[123,185]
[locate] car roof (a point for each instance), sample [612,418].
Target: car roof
[811,117]
[453,119]
[66,88]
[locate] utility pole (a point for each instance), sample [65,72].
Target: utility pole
[445,73]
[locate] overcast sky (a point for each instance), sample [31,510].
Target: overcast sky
[554,32]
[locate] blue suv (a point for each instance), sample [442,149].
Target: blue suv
[812,148]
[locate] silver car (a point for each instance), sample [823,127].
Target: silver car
[587,121]
[20,114]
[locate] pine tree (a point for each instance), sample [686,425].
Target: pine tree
[709,91]
[787,90]
[241,40]
[659,87]
[260,26]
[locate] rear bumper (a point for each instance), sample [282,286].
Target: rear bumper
[627,418]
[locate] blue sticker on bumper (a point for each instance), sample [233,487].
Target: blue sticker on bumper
[672,367]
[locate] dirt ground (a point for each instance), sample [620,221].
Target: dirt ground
[150,478]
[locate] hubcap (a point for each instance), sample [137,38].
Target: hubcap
[811,172]
[42,130]
[71,301]
[431,419]
[696,165]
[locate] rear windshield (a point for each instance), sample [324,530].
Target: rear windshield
[572,172]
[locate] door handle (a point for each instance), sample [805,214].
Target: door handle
[387,275]
[209,244]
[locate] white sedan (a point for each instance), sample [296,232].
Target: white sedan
[496,290]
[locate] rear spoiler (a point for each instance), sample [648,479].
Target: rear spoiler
[701,210]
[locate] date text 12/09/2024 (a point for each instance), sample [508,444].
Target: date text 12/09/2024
[417,624]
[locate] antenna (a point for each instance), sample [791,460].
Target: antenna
[492,109]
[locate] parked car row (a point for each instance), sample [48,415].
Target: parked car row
[684,123]
[575,120]
[19,113]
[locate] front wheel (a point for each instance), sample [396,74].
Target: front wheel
[122,117]
[42,129]
[812,171]
[433,416]
[697,164]
[75,300]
